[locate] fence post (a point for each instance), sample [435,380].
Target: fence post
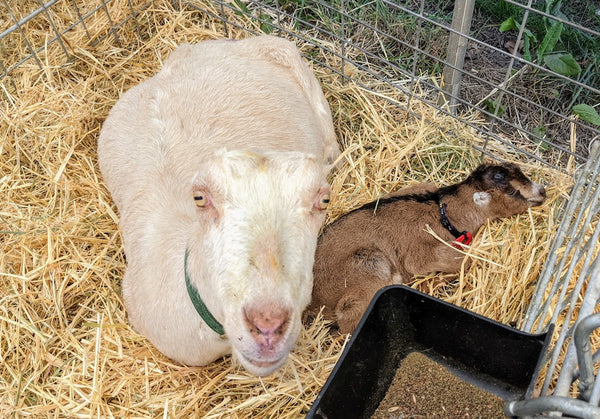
[455,54]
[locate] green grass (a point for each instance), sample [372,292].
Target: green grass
[393,23]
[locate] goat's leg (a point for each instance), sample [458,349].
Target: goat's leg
[353,304]
[447,259]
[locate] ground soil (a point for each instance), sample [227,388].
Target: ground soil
[423,388]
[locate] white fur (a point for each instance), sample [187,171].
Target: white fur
[481,199]
[247,123]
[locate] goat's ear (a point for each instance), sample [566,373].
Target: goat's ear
[481,199]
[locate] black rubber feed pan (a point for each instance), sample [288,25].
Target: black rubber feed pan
[400,320]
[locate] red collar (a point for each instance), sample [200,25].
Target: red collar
[462,237]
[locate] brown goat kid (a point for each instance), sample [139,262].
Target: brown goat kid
[385,242]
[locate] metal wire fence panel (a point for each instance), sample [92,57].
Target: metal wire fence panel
[523,84]
[556,297]
[525,91]
[524,75]
[79,23]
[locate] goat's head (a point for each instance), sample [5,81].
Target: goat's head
[251,250]
[504,190]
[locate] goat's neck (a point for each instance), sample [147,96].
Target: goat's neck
[463,213]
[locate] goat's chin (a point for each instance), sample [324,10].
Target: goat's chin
[264,362]
[534,202]
[260,367]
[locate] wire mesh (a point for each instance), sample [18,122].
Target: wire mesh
[348,30]
[393,41]
[27,14]
[522,104]
[555,296]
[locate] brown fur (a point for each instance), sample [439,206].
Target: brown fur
[385,242]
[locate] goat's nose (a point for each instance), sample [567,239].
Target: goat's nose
[267,324]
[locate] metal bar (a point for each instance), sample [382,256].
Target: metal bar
[595,397]
[343,39]
[573,407]
[587,307]
[81,19]
[575,221]
[568,222]
[413,74]
[110,22]
[134,17]
[584,353]
[508,73]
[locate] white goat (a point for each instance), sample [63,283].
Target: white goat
[218,167]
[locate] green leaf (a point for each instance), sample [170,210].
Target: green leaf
[553,6]
[241,6]
[509,24]
[529,34]
[495,107]
[563,64]
[527,48]
[550,40]
[267,25]
[540,132]
[587,113]
[529,40]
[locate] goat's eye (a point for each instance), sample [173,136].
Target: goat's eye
[323,201]
[498,177]
[201,199]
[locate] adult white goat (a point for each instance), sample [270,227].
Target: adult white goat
[218,167]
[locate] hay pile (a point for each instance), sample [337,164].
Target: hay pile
[65,345]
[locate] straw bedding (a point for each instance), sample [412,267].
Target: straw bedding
[66,348]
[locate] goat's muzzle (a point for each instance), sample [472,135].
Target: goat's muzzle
[267,325]
[538,195]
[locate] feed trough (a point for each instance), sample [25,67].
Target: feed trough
[400,321]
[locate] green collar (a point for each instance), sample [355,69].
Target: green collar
[198,303]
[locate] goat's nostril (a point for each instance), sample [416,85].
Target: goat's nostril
[267,324]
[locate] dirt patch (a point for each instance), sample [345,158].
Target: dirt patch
[423,388]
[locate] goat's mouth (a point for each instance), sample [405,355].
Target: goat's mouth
[263,364]
[262,367]
[534,202]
